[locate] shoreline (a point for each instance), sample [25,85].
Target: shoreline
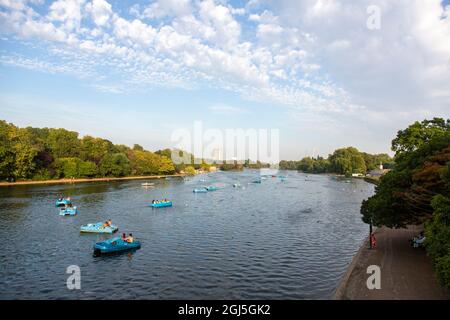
[406,272]
[83,180]
[339,293]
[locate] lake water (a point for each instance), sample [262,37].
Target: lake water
[289,239]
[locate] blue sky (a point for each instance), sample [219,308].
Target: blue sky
[135,71]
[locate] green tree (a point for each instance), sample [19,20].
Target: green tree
[437,232]
[306,165]
[67,167]
[190,170]
[404,195]
[7,156]
[87,169]
[419,134]
[289,165]
[24,154]
[34,153]
[373,161]
[75,168]
[144,162]
[165,166]
[115,165]
[94,149]
[347,161]
[63,143]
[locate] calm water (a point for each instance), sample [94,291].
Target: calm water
[275,240]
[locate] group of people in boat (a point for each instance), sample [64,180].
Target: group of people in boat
[107,223]
[66,205]
[160,201]
[129,238]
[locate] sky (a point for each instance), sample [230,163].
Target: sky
[136,71]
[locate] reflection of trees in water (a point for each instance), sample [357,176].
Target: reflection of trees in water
[12,210]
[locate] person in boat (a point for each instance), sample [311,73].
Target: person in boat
[107,223]
[130,238]
[124,236]
[153,201]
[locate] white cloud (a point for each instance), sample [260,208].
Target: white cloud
[68,12]
[309,56]
[100,10]
[163,8]
[226,30]
[134,31]
[402,66]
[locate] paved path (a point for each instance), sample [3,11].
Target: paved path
[406,272]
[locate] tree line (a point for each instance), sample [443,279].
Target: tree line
[46,153]
[346,161]
[417,190]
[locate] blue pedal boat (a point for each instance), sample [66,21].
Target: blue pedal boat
[200,190]
[212,188]
[62,203]
[69,211]
[115,245]
[161,204]
[98,228]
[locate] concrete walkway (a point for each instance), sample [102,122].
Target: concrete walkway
[406,272]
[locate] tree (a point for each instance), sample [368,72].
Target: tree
[190,170]
[235,166]
[67,167]
[115,165]
[166,166]
[24,154]
[404,194]
[63,143]
[437,232]
[144,162]
[87,169]
[34,153]
[94,149]
[347,161]
[182,155]
[7,156]
[289,165]
[373,161]
[306,165]
[419,134]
